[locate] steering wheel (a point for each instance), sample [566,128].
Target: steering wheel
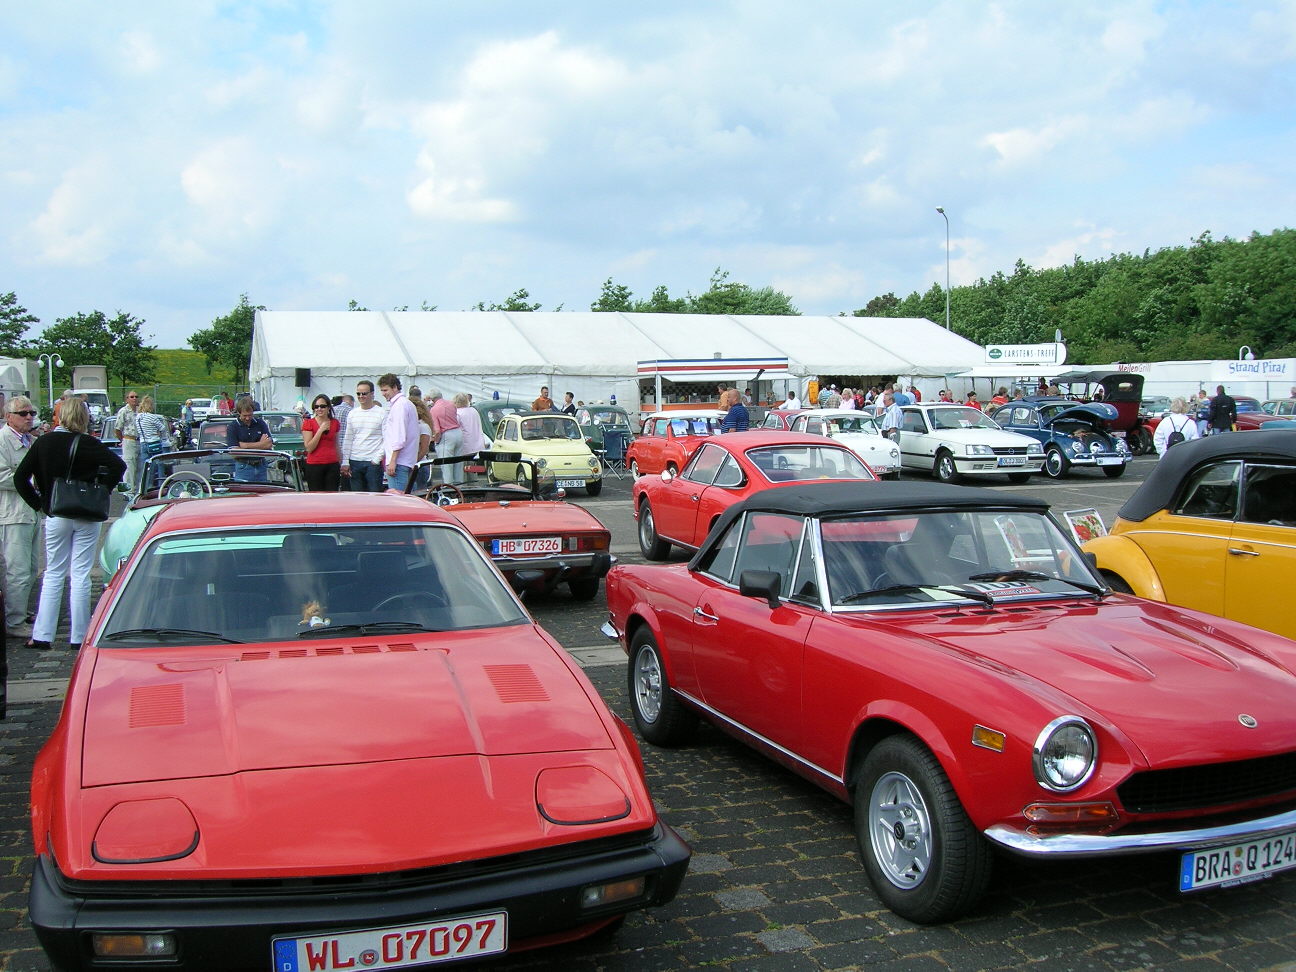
[411,597]
[185,484]
[446,494]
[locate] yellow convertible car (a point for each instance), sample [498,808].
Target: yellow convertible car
[555,443]
[1213,528]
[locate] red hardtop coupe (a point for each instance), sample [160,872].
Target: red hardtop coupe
[946,659]
[313,731]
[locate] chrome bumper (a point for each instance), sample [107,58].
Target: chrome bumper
[1097,845]
[566,563]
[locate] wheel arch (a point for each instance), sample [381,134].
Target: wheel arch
[1121,557]
[891,719]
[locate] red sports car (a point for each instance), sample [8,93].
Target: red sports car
[946,659]
[726,470]
[536,540]
[316,731]
[669,438]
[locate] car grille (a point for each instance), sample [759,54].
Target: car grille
[1011,451]
[1210,785]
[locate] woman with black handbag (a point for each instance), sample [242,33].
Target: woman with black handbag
[70,476]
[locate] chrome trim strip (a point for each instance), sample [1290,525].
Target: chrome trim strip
[756,735]
[1093,845]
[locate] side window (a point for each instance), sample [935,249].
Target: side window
[719,561]
[1021,416]
[772,422]
[912,421]
[798,424]
[1211,492]
[1270,495]
[730,474]
[805,582]
[702,467]
[770,542]
[815,426]
[508,431]
[659,426]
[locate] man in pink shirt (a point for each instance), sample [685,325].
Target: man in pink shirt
[447,433]
[400,433]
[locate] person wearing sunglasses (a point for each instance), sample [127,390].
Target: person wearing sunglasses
[19,523]
[320,436]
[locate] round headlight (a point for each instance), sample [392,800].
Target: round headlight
[1065,754]
[542,462]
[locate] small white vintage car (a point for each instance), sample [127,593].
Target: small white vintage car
[859,432]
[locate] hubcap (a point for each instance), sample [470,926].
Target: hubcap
[900,831]
[647,531]
[647,685]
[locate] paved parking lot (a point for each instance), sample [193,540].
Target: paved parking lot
[776,881]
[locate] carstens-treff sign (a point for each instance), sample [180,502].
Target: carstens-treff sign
[1026,353]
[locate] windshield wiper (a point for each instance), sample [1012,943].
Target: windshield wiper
[170,634]
[967,592]
[370,627]
[1014,574]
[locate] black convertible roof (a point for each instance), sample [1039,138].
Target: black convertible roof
[1159,489]
[847,498]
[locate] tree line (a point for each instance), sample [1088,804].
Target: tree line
[1204,300]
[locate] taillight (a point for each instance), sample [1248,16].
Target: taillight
[586,543]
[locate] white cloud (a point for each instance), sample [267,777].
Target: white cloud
[74,227]
[139,53]
[235,185]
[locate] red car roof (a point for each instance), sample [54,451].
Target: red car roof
[296,508]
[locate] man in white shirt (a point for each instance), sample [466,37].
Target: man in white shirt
[19,523]
[892,416]
[362,448]
[792,402]
[127,427]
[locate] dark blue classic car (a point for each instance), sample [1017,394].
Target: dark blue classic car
[1072,433]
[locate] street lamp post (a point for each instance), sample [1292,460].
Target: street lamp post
[941,210]
[51,361]
[1245,353]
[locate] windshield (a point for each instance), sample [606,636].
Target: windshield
[551,427]
[246,586]
[854,423]
[896,560]
[283,423]
[177,474]
[791,463]
[606,417]
[960,417]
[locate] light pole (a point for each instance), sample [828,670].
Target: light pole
[1248,356]
[941,210]
[51,361]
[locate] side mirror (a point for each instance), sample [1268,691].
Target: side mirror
[761,583]
[666,476]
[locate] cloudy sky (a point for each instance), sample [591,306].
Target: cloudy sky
[163,158]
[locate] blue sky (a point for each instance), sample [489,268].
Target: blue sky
[162,159]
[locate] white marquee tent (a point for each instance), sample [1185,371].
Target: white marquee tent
[595,355]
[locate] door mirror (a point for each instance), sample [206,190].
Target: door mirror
[666,476]
[761,583]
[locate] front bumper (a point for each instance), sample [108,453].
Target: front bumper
[989,465]
[1098,845]
[228,928]
[1089,459]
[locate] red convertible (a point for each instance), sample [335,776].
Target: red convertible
[669,438]
[946,659]
[726,470]
[316,731]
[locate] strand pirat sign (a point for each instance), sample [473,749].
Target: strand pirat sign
[1266,369]
[1052,353]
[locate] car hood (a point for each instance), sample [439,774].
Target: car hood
[1091,412]
[162,714]
[527,516]
[1173,682]
[988,437]
[864,441]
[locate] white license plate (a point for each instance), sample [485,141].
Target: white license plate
[1110,460]
[1237,863]
[570,483]
[526,545]
[1012,460]
[394,948]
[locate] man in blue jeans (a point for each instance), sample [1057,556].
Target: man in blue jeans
[400,433]
[249,431]
[362,445]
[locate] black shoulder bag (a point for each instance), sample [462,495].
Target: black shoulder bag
[79,499]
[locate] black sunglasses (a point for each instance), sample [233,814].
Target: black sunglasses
[26,413]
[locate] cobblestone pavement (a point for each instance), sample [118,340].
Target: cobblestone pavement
[776,881]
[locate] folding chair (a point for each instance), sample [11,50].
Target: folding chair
[614,451]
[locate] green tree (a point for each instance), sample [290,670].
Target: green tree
[661,302]
[228,342]
[613,297]
[15,320]
[516,302]
[726,296]
[94,338]
[883,305]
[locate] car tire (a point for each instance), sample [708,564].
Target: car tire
[522,479]
[594,488]
[945,469]
[1116,583]
[634,469]
[1019,477]
[659,715]
[1056,465]
[1114,472]
[652,546]
[583,588]
[925,859]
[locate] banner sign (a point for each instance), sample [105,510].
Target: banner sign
[1270,369]
[1025,353]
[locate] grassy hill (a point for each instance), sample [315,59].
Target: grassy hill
[183,374]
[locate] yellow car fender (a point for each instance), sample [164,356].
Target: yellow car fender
[1124,558]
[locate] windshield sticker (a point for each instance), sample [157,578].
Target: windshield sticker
[1006,589]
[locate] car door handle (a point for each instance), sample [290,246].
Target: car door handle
[694,497]
[1238,552]
[699,613]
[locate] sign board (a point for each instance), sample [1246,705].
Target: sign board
[1054,353]
[1268,369]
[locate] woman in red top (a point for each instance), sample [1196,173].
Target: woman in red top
[319,433]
